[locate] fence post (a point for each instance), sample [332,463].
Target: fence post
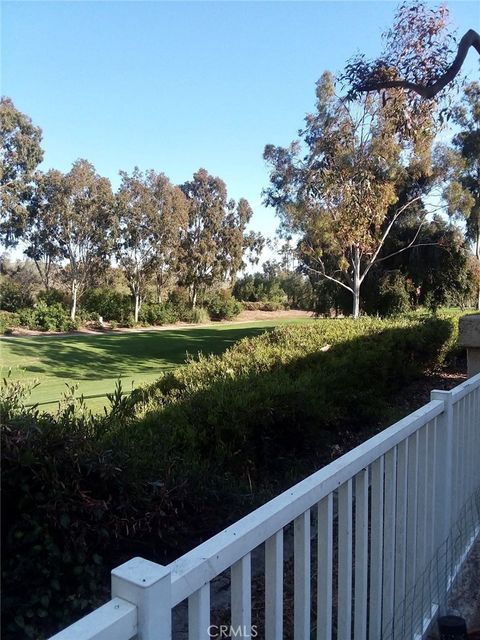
[445,463]
[148,586]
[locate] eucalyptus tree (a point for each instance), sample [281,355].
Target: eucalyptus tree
[72,214]
[170,226]
[216,241]
[151,223]
[338,187]
[20,154]
[461,162]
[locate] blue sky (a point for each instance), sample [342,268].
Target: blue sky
[175,86]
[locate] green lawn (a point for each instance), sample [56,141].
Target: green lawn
[96,362]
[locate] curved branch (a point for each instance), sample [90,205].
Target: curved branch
[470,39]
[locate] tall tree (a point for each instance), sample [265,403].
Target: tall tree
[152,216]
[462,164]
[216,240]
[20,154]
[41,244]
[238,244]
[75,213]
[339,188]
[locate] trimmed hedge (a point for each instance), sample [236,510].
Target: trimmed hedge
[282,393]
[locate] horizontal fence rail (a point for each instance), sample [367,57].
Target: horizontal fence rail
[366,548]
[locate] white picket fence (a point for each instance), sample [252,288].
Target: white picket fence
[388,524]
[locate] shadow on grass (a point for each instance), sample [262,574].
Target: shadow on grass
[117,356]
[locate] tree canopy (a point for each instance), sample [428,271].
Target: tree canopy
[20,155]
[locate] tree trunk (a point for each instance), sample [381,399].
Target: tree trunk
[73,309]
[477,253]
[356,283]
[137,306]
[194,297]
[356,299]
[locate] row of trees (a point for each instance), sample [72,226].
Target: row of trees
[365,168]
[192,235]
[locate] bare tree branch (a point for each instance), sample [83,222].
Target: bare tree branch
[385,234]
[324,275]
[470,39]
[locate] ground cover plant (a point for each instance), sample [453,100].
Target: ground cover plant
[183,457]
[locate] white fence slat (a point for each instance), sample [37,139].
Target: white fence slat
[241,590]
[457,463]
[401,522]
[274,587]
[325,568]
[389,531]
[361,556]
[199,614]
[301,571]
[432,525]
[412,514]
[422,510]
[376,550]
[401,558]
[344,609]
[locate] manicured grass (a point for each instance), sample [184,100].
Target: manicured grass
[96,362]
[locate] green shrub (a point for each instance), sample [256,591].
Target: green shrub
[52,296]
[108,303]
[222,306]
[43,317]
[390,296]
[74,510]
[278,396]
[157,314]
[130,321]
[179,299]
[199,315]
[8,321]
[13,297]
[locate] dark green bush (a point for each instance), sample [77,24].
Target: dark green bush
[108,303]
[52,296]
[389,296]
[178,298]
[223,306]
[13,297]
[43,317]
[70,505]
[157,314]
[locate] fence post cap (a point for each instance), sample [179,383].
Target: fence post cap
[440,394]
[143,573]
